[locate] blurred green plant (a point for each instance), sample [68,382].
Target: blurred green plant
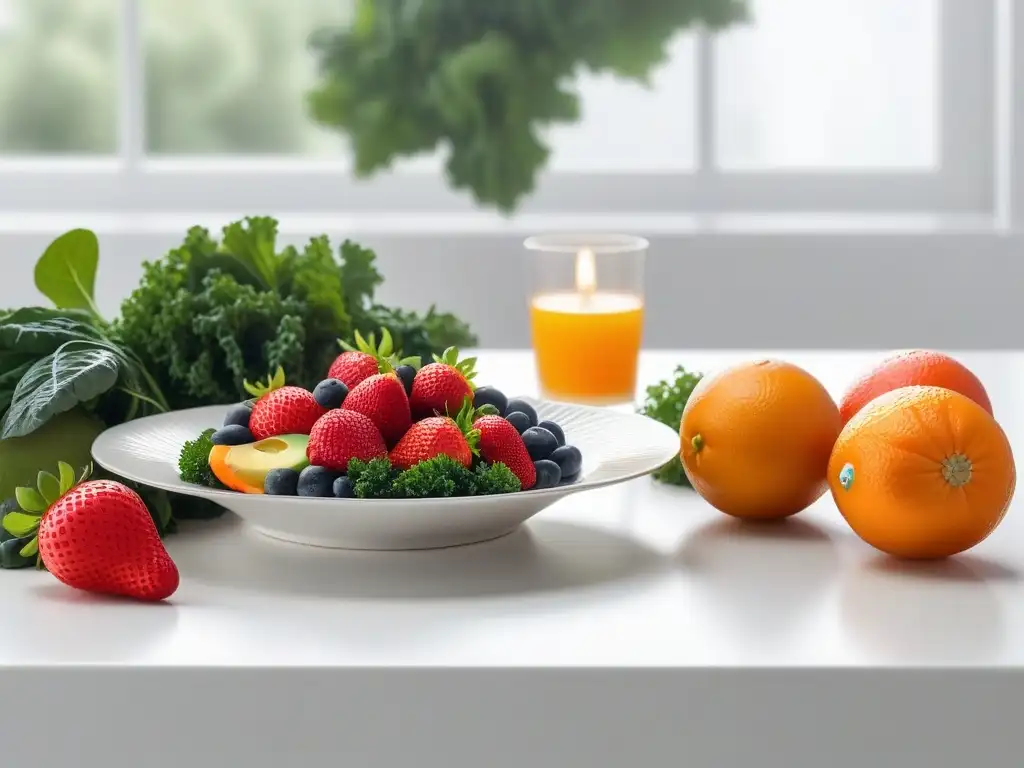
[481,79]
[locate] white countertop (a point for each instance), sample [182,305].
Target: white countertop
[639,575]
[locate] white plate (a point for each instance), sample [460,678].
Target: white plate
[616,447]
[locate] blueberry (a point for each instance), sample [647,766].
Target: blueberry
[555,430]
[330,393]
[343,488]
[406,373]
[233,434]
[490,396]
[522,406]
[548,474]
[238,415]
[569,459]
[539,442]
[317,481]
[281,482]
[519,420]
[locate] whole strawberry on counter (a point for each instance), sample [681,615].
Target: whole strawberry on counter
[367,358]
[441,387]
[280,409]
[383,400]
[95,535]
[439,436]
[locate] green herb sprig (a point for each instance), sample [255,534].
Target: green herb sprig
[665,402]
[194,461]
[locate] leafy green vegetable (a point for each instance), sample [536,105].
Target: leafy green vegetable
[211,314]
[439,477]
[59,382]
[194,461]
[665,402]
[484,80]
[56,360]
[38,331]
[66,272]
[204,319]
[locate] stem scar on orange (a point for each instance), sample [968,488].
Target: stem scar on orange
[922,473]
[755,439]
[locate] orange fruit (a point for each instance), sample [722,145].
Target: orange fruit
[922,472]
[755,439]
[917,367]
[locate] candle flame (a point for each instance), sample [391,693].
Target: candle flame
[586,272]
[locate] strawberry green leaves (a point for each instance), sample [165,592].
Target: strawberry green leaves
[67,477]
[31,549]
[49,487]
[259,389]
[31,500]
[466,366]
[387,356]
[465,418]
[20,525]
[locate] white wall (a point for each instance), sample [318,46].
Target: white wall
[958,289]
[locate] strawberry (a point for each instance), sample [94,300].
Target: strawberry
[95,535]
[366,359]
[281,410]
[340,435]
[436,436]
[382,398]
[441,387]
[500,441]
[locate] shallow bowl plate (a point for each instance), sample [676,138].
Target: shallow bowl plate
[616,447]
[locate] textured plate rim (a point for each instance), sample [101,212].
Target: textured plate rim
[113,434]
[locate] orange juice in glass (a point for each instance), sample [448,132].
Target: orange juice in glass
[587,314]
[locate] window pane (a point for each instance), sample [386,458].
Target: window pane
[830,84]
[58,76]
[627,127]
[230,76]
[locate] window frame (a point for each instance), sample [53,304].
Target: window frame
[966,181]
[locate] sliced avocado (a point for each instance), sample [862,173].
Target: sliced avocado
[249,464]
